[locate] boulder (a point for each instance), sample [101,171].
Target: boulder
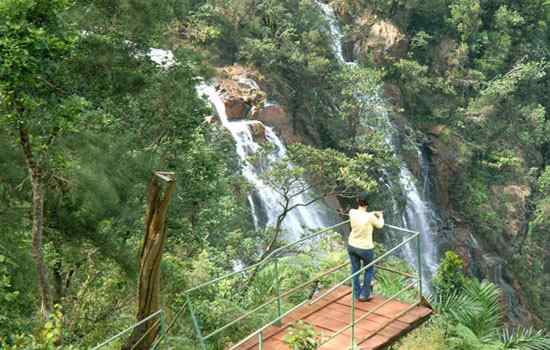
[257,128]
[240,91]
[235,107]
[383,40]
[276,116]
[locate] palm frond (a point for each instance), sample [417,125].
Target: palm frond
[524,339]
[476,307]
[486,321]
[448,304]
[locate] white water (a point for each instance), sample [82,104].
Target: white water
[265,202]
[336,33]
[418,214]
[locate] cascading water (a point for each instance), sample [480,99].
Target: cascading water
[418,214]
[264,199]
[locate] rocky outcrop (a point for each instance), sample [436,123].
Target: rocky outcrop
[244,96]
[257,128]
[511,200]
[277,117]
[240,90]
[380,39]
[235,107]
[448,154]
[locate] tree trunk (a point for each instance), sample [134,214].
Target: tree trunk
[273,241]
[144,335]
[37,222]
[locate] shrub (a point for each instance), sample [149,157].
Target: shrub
[302,336]
[450,274]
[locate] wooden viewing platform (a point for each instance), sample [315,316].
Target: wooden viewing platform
[333,312]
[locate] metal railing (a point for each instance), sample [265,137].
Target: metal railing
[274,256]
[159,315]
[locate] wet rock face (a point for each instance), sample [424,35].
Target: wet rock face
[245,98]
[276,116]
[235,107]
[240,91]
[446,160]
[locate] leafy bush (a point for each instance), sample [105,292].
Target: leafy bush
[429,337]
[302,336]
[450,274]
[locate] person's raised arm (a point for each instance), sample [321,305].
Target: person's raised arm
[378,219]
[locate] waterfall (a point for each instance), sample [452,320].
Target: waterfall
[418,214]
[264,200]
[336,33]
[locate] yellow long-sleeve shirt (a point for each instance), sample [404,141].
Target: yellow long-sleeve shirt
[362,225]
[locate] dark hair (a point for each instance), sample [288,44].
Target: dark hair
[362,199]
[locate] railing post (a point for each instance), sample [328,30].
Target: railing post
[195,323]
[162,325]
[353,297]
[419,263]
[278,291]
[260,341]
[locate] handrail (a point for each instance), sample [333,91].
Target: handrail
[159,312]
[259,331]
[270,301]
[400,228]
[264,260]
[280,296]
[366,267]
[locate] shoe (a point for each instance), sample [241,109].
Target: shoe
[364,298]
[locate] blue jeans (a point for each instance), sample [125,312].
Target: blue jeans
[366,256]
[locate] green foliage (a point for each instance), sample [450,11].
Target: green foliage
[466,17]
[34,45]
[48,338]
[9,295]
[450,276]
[427,337]
[302,336]
[524,339]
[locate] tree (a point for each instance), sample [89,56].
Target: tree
[360,102]
[322,173]
[34,44]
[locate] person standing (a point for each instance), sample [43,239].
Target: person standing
[361,246]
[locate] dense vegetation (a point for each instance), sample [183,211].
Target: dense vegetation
[86,117]
[476,76]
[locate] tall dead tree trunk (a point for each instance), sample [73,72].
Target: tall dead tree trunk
[37,222]
[144,335]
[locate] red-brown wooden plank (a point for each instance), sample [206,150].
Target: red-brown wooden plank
[333,312]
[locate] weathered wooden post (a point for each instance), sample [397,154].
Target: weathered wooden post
[158,200]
